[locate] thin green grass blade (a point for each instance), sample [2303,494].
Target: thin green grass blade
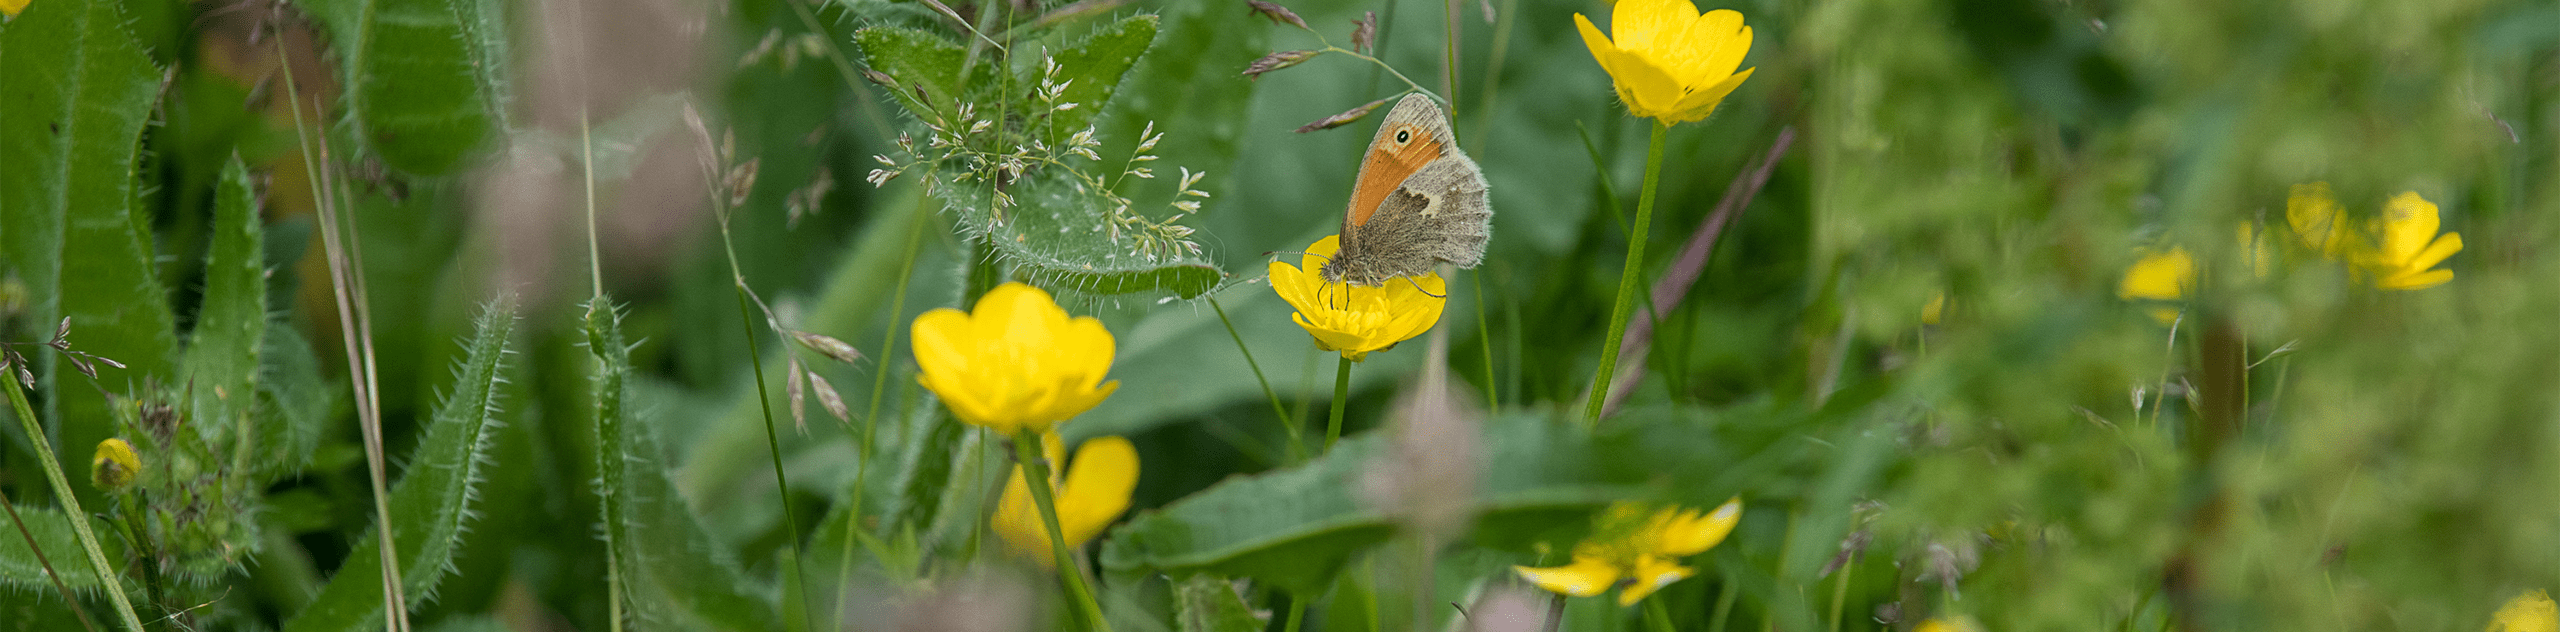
[669,571]
[432,501]
[78,91]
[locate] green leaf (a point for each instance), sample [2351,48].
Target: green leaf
[667,568]
[924,69]
[78,91]
[21,573]
[1294,528]
[924,482]
[421,76]
[1057,234]
[297,403]
[1209,604]
[433,498]
[222,354]
[1091,70]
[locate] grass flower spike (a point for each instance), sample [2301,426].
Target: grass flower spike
[1669,62]
[1638,550]
[1090,495]
[2408,247]
[1018,363]
[1353,319]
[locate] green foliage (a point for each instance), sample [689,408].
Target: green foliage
[426,93]
[79,90]
[432,502]
[222,359]
[1208,604]
[20,571]
[668,571]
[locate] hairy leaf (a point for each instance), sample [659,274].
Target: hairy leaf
[924,69]
[1091,70]
[668,569]
[19,570]
[78,90]
[222,354]
[433,498]
[1209,604]
[422,77]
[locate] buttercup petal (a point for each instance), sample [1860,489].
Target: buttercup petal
[1017,522]
[1599,45]
[937,339]
[2407,222]
[2165,276]
[1703,102]
[1585,577]
[1649,25]
[1689,532]
[1651,574]
[1097,487]
[1724,41]
[2529,612]
[2314,215]
[2436,252]
[1648,90]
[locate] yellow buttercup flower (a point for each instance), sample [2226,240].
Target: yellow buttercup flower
[1017,363]
[12,7]
[1356,319]
[1640,550]
[1090,495]
[1945,624]
[2529,612]
[2160,276]
[115,465]
[2317,220]
[2407,246]
[1668,61]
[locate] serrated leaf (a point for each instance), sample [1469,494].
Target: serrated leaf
[1209,604]
[78,91]
[669,569]
[1092,69]
[926,68]
[432,501]
[1057,235]
[222,354]
[21,573]
[421,77]
[297,403]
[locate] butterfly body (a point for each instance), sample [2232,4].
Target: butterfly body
[1417,203]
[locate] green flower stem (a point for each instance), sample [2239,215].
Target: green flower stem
[1600,385]
[1026,452]
[1297,443]
[1341,396]
[71,507]
[1656,617]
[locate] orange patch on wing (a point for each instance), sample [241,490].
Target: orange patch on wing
[1384,170]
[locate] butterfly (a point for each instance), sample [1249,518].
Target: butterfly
[1417,203]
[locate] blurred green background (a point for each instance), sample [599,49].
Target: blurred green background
[2043,456]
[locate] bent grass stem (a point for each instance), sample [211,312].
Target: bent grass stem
[71,507]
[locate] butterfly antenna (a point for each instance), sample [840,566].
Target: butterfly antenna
[1417,286]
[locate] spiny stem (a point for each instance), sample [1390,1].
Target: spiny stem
[1341,396]
[1297,445]
[1035,472]
[71,507]
[1600,385]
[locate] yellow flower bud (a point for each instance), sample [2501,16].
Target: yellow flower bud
[115,465]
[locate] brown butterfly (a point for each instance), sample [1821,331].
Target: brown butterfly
[1418,202]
